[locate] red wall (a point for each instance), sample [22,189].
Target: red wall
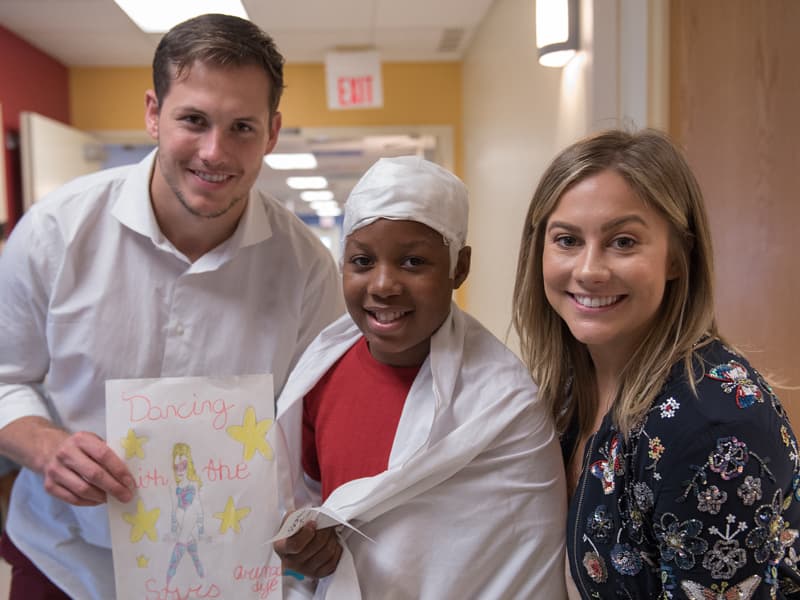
[30,80]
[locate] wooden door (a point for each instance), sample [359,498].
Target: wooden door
[735,108]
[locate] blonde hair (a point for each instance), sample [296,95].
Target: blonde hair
[658,173]
[182,449]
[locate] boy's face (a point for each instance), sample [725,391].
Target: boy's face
[397,287]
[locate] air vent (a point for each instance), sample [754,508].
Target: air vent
[450,40]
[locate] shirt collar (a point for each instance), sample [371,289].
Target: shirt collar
[128,206]
[134,213]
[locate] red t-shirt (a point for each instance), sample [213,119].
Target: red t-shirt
[350,418]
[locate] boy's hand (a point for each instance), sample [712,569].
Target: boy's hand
[310,552]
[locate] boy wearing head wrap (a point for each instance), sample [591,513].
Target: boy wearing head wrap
[408,420]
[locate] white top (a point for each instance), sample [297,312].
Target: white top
[90,289]
[473,504]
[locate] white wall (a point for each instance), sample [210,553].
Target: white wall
[518,115]
[514,122]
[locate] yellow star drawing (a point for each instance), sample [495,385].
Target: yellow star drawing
[132,444]
[252,434]
[142,561]
[230,517]
[143,522]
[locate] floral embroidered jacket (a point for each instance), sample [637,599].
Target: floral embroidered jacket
[701,501]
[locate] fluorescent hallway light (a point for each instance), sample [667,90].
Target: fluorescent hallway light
[307,183]
[159,16]
[316,195]
[297,160]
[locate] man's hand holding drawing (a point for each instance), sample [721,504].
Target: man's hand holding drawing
[78,468]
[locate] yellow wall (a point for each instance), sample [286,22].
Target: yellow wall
[429,93]
[103,98]
[414,94]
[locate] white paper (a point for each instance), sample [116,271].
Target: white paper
[201,451]
[323,517]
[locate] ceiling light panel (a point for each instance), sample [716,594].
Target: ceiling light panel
[157,16]
[293,161]
[324,204]
[307,183]
[316,195]
[333,211]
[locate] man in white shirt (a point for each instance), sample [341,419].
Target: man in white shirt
[172,267]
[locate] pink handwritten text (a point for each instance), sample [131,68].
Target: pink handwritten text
[220,471]
[154,592]
[150,478]
[142,409]
[265,578]
[265,588]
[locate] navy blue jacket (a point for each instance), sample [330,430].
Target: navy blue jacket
[701,501]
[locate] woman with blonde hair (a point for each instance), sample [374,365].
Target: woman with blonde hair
[187,518]
[682,466]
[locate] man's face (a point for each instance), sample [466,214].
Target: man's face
[213,129]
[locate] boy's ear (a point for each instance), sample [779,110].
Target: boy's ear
[462,266]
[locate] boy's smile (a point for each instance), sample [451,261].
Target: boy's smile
[397,287]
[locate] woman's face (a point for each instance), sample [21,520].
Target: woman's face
[605,263]
[180,463]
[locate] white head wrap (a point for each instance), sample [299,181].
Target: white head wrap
[410,188]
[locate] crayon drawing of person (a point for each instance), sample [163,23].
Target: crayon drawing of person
[186,524]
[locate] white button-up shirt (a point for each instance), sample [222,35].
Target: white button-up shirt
[90,290]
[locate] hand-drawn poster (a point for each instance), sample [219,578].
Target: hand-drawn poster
[202,454]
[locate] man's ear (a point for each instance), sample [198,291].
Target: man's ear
[462,266]
[151,113]
[274,130]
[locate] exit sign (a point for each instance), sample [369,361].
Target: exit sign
[353,80]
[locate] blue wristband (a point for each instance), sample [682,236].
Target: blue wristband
[295,574]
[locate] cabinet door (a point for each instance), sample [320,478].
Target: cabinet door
[3,191]
[52,154]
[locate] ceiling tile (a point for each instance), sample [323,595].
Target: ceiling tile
[311,14]
[424,13]
[98,33]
